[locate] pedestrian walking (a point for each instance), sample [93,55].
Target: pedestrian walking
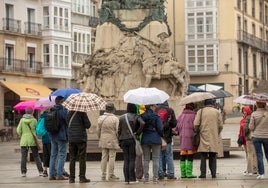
[258,126]
[185,130]
[26,132]
[107,131]
[208,121]
[78,122]
[127,141]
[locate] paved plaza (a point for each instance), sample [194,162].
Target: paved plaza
[230,171]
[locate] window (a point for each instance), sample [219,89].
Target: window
[245,25]
[239,23]
[61,18]
[261,11]
[245,6]
[61,56]
[10,25]
[239,60]
[46,17]
[239,4]
[31,57]
[261,33]
[9,56]
[253,30]
[254,65]
[82,42]
[253,8]
[81,6]
[246,62]
[266,14]
[46,55]
[30,27]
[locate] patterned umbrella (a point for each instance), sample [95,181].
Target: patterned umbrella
[84,102]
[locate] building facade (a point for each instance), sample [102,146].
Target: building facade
[44,43]
[222,42]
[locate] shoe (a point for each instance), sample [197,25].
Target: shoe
[23,174]
[103,178]
[52,178]
[133,182]
[84,180]
[71,181]
[62,178]
[113,177]
[202,176]
[171,178]
[45,173]
[145,180]
[213,176]
[155,180]
[161,178]
[66,174]
[245,173]
[260,177]
[40,173]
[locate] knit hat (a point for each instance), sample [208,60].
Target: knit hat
[110,108]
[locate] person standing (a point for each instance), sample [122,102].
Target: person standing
[208,121]
[169,122]
[258,126]
[78,123]
[127,142]
[185,130]
[151,141]
[107,131]
[26,132]
[59,142]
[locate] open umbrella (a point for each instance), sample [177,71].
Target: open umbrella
[25,104]
[210,87]
[65,92]
[84,102]
[196,97]
[45,102]
[242,100]
[145,96]
[221,93]
[263,97]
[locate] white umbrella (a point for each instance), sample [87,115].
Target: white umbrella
[242,100]
[196,97]
[45,102]
[145,96]
[210,87]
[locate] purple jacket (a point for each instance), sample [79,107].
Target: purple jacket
[185,129]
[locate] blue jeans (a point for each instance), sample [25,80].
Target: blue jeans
[57,158]
[258,143]
[167,154]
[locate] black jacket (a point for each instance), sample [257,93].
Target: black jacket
[77,128]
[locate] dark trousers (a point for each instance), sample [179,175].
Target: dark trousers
[46,154]
[129,154]
[212,161]
[78,151]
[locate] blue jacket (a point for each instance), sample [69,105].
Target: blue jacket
[62,135]
[153,128]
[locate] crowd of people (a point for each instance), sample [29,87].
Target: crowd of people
[150,125]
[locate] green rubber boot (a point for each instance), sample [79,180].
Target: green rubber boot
[189,170]
[183,169]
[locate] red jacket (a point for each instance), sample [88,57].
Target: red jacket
[246,112]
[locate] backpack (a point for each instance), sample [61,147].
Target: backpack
[164,114]
[40,127]
[52,123]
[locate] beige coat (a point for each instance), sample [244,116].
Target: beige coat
[107,130]
[211,127]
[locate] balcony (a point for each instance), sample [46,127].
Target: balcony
[251,40]
[13,25]
[20,66]
[32,28]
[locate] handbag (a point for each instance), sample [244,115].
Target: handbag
[196,136]
[138,147]
[35,139]
[240,140]
[164,144]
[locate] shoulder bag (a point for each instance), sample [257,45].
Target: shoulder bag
[196,137]
[137,145]
[35,139]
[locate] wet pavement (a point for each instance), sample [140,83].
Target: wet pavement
[229,170]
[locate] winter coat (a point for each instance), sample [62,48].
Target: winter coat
[77,128]
[107,131]
[153,128]
[136,123]
[62,135]
[185,129]
[210,128]
[246,113]
[26,137]
[258,123]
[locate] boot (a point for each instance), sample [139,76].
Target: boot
[183,169]
[189,170]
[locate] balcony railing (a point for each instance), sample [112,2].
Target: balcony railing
[21,66]
[32,28]
[13,25]
[251,40]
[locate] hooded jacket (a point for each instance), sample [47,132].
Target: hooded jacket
[246,113]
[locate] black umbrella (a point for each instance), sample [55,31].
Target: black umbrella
[221,93]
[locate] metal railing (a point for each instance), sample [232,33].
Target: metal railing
[33,28]
[21,66]
[13,25]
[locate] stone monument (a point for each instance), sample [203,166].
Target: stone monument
[132,49]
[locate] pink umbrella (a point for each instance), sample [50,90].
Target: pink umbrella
[45,102]
[25,104]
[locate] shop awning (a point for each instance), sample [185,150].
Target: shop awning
[27,91]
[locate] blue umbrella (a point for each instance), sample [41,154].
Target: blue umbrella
[65,92]
[192,89]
